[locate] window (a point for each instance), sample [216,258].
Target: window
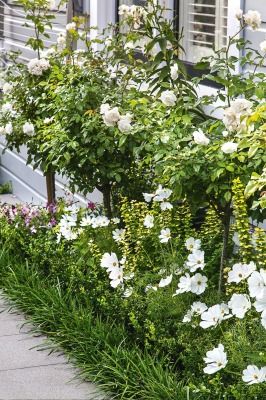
[131,2]
[205,27]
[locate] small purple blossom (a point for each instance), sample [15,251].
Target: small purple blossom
[91,205]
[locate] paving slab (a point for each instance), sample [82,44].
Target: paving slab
[9,199]
[30,372]
[44,383]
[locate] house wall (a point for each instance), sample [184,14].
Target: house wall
[28,184]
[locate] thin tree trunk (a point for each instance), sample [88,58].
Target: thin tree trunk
[224,255]
[106,190]
[50,185]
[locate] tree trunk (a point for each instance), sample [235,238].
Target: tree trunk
[224,255]
[106,190]
[50,185]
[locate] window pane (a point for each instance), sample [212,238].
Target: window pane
[205,27]
[131,2]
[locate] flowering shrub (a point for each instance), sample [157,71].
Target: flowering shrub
[160,271]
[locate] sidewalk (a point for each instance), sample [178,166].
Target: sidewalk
[29,374]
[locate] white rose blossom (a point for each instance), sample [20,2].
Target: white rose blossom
[72,26]
[174,72]
[215,359]
[229,147]
[200,138]
[253,19]
[263,46]
[28,128]
[124,124]
[111,116]
[7,88]
[239,14]
[165,205]
[168,98]
[9,128]
[37,67]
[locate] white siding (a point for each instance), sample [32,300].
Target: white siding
[256,37]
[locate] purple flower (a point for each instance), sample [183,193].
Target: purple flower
[91,205]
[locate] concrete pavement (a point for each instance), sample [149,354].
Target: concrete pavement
[26,373]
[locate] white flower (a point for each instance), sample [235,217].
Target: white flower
[115,221]
[47,120]
[240,272]
[7,88]
[257,284]
[263,319]
[61,40]
[128,292]
[104,108]
[193,244]
[123,10]
[198,283]
[9,128]
[71,26]
[48,53]
[165,138]
[150,287]
[195,260]
[118,234]
[214,315]
[229,147]
[197,308]
[165,281]
[165,235]
[111,116]
[149,221]
[165,205]
[233,115]
[7,108]
[215,359]
[239,14]
[162,194]
[148,197]
[116,276]
[168,98]
[28,128]
[262,47]
[184,284]
[37,67]
[225,133]
[253,19]
[124,124]
[252,374]
[174,72]
[200,138]
[260,304]
[239,304]
[109,261]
